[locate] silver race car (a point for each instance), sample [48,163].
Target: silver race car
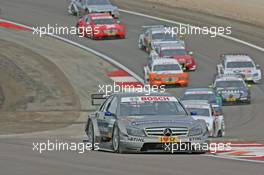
[136,122]
[153,36]
[205,111]
[79,7]
[240,64]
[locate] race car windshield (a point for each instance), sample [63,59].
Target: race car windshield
[207,97]
[151,108]
[242,64]
[104,21]
[157,36]
[171,52]
[167,67]
[164,37]
[226,84]
[199,112]
[98,2]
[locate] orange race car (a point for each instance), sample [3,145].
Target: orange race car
[165,71]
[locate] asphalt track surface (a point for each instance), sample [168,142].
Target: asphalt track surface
[243,122]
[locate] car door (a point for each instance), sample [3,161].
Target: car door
[100,116]
[146,38]
[107,116]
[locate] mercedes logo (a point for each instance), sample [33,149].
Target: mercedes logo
[167,132]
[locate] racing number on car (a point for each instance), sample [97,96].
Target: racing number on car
[168,139]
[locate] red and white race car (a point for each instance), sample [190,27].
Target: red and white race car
[178,51]
[100,25]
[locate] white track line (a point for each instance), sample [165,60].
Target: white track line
[233,158]
[183,24]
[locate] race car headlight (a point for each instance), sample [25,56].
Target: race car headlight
[244,94]
[182,78]
[195,131]
[136,132]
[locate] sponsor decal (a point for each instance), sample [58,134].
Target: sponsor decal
[149,99]
[168,139]
[136,139]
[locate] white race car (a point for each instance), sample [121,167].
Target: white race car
[240,64]
[204,111]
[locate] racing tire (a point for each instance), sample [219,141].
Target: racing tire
[74,13]
[140,46]
[90,133]
[116,140]
[220,133]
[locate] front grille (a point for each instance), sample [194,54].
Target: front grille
[176,131]
[170,79]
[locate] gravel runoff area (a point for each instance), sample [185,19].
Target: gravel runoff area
[244,16]
[243,10]
[45,83]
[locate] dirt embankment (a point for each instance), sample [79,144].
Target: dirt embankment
[34,94]
[45,84]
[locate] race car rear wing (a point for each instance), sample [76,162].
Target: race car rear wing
[98,99]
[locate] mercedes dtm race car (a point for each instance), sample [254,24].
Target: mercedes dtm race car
[135,122]
[100,25]
[205,111]
[240,64]
[175,50]
[205,94]
[232,89]
[78,7]
[165,71]
[152,36]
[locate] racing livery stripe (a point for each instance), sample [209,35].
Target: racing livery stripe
[12,26]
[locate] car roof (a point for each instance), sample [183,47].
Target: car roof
[163,61]
[138,94]
[229,78]
[197,105]
[237,57]
[92,15]
[173,45]
[205,90]
[158,30]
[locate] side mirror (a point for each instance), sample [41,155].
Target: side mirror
[118,22]
[216,114]
[109,114]
[258,66]
[190,53]
[193,113]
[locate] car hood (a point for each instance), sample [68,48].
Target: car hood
[159,121]
[182,58]
[108,26]
[158,42]
[102,8]
[205,118]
